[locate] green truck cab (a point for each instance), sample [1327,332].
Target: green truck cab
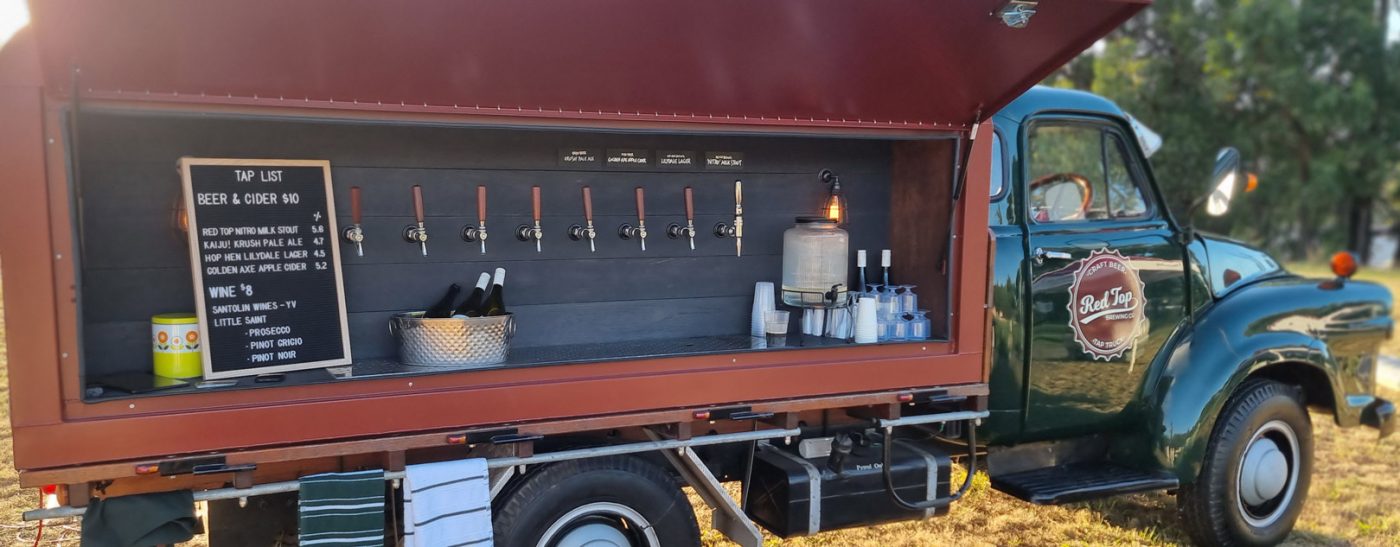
[1133,353]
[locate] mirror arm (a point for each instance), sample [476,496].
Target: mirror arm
[1187,219]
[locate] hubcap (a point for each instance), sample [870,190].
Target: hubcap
[1268,474]
[600,524]
[595,535]
[1265,472]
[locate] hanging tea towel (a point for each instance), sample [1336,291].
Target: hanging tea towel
[447,503]
[139,520]
[342,509]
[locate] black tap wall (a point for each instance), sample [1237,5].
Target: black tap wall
[135,263]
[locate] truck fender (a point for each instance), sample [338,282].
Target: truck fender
[1322,338]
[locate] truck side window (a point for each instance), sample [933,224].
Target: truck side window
[1124,196]
[1080,172]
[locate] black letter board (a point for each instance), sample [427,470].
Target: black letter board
[266,266]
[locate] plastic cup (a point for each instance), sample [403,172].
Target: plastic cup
[775,326]
[762,302]
[867,327]
[776,321]
[838,323]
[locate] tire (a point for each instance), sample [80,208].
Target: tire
[607,500]
[1257,469]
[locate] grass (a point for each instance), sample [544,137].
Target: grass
[1354,500]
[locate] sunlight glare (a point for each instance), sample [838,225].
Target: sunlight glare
[14,15]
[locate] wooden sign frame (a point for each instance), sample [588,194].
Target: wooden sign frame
[192,231]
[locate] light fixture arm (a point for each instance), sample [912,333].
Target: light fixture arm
[834,206]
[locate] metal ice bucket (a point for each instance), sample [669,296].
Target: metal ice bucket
[452,342]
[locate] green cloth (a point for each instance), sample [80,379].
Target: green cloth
[342,509]
[142,520]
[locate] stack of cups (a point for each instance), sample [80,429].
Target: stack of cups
[867,326]
[838,323]
[762,303]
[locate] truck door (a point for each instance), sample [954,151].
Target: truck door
[1107,281]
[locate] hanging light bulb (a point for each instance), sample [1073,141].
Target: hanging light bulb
[834,207]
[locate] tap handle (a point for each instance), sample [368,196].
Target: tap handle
[738,196]
[481,203]
[535,199]
[641,204]
[354,204]
[689,204]
[418,202]
[588,204]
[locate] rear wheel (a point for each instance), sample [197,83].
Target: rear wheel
[1256,472]
[620,501]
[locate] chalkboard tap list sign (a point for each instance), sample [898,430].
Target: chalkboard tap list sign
[265,264]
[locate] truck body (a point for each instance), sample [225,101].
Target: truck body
[1086,345]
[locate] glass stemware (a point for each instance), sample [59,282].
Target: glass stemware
[920,325]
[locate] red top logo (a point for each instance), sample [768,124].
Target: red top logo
[1105,304]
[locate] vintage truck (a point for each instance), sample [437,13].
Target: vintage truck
[1083,341]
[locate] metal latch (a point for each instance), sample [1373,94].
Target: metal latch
[202,465]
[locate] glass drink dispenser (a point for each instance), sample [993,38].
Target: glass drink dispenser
[815,260]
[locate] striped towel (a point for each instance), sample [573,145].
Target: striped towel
[447,503]
[342,509]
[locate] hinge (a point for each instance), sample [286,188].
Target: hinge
[1017,13]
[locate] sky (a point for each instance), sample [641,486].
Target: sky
[1393,26]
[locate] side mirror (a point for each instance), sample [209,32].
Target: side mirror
[1227,179]
[1224,181]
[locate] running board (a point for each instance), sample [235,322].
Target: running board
[1081,481]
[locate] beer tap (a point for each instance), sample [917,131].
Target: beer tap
[419,233]
[355,234]
[736,230]
[470,234]
[626,231]
[525,232]
[577,232]
[675,231]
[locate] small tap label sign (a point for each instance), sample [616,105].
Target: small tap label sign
[674,159]
[724,161]
[628,158]
[579,157]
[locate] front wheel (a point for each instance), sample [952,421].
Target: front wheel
[1256,472]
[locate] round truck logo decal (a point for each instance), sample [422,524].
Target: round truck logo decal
[1105,304]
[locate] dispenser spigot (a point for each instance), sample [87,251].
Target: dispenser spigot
[675,231]
[525,232]
[355,233]
[577,232]
[417,233]
[470,234]
[735,230]
[627,231]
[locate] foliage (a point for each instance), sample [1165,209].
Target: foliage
[1308,90]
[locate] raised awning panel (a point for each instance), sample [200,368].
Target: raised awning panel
[891,63]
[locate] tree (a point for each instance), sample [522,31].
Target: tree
[1302,87]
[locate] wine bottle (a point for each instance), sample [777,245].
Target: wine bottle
[495,303]
[860,267]
[474,300]
[443,307]
[885,265]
